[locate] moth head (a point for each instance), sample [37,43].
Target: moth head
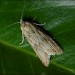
[23,23]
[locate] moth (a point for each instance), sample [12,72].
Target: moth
[42,44]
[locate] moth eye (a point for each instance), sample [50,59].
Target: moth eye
[23,25]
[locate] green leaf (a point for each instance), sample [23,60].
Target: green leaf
[60,25]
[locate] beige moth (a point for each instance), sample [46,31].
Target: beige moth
[42,44]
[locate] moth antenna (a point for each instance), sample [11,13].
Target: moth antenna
[22,13]
[14,23]
[10,25]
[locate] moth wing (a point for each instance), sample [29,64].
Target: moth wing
[43,56]
[55,49]
[51,47]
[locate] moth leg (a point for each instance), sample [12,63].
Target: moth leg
[22,39]
[40,24]
[34,18]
